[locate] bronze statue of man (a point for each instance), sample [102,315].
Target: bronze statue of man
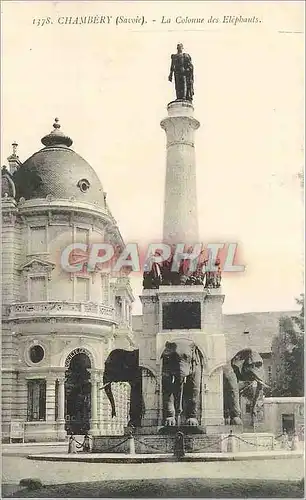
[182,67]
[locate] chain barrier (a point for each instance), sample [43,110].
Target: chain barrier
[219,441]
[252,444]
[288,444]
[279,436]
[198,450]
[116,445]
[86,445]
[193,451]
[147,445]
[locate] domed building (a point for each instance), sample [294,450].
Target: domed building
[58,326]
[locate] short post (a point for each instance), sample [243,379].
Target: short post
[131,441]
[72,444]
[231,443]
[295,442]
[285,441]
[179,445]
[86,444]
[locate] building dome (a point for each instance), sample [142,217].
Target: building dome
[58,171]
[7,185]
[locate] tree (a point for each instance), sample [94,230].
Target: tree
[288,355]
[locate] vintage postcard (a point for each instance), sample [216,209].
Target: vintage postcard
[152,249]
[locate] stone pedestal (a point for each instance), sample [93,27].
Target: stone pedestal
[209,338]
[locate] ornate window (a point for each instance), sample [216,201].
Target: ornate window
[36,273]
[36,353]
[84,185]
[82,235]
[38,240]
[118,306]
[36,400]
[105,288]
[82,289]
[38,288]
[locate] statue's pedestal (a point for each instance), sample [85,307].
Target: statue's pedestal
[209,338]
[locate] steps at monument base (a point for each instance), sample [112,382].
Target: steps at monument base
[224,429]
[208,429]
[156,443]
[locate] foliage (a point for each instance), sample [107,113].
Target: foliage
[31,483]
[288,355]
[186,487]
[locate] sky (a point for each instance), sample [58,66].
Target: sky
[108,85]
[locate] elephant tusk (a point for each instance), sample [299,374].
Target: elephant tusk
[173,379]
[184,380]
[245,388]
[103,386]
[261,382]
[264,384]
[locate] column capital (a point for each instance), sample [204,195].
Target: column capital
[95,374]
[52,376]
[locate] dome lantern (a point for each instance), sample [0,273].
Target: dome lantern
[56,137]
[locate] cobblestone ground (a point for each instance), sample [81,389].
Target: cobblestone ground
[15,468]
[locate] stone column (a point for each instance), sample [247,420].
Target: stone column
[61,432]
[127,312]
[50,398]
[50,428]
[94,403]
[123,309]
[180,202]
[61,400]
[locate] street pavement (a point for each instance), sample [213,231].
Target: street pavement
[16,466]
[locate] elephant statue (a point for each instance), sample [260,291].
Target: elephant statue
[181,382]
[123,366]
[245,366]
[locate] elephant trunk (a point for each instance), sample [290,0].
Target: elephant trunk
[178,396]
[108,389]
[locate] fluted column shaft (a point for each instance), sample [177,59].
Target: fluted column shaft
[180,202]
[61,399]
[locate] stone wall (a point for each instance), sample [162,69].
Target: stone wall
[275,408]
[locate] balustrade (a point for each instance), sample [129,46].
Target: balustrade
[61,308]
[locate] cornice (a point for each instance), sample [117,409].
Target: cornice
[26,207]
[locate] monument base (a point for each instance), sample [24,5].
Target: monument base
[172,430]
[156,443]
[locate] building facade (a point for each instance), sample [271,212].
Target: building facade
[57,326]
